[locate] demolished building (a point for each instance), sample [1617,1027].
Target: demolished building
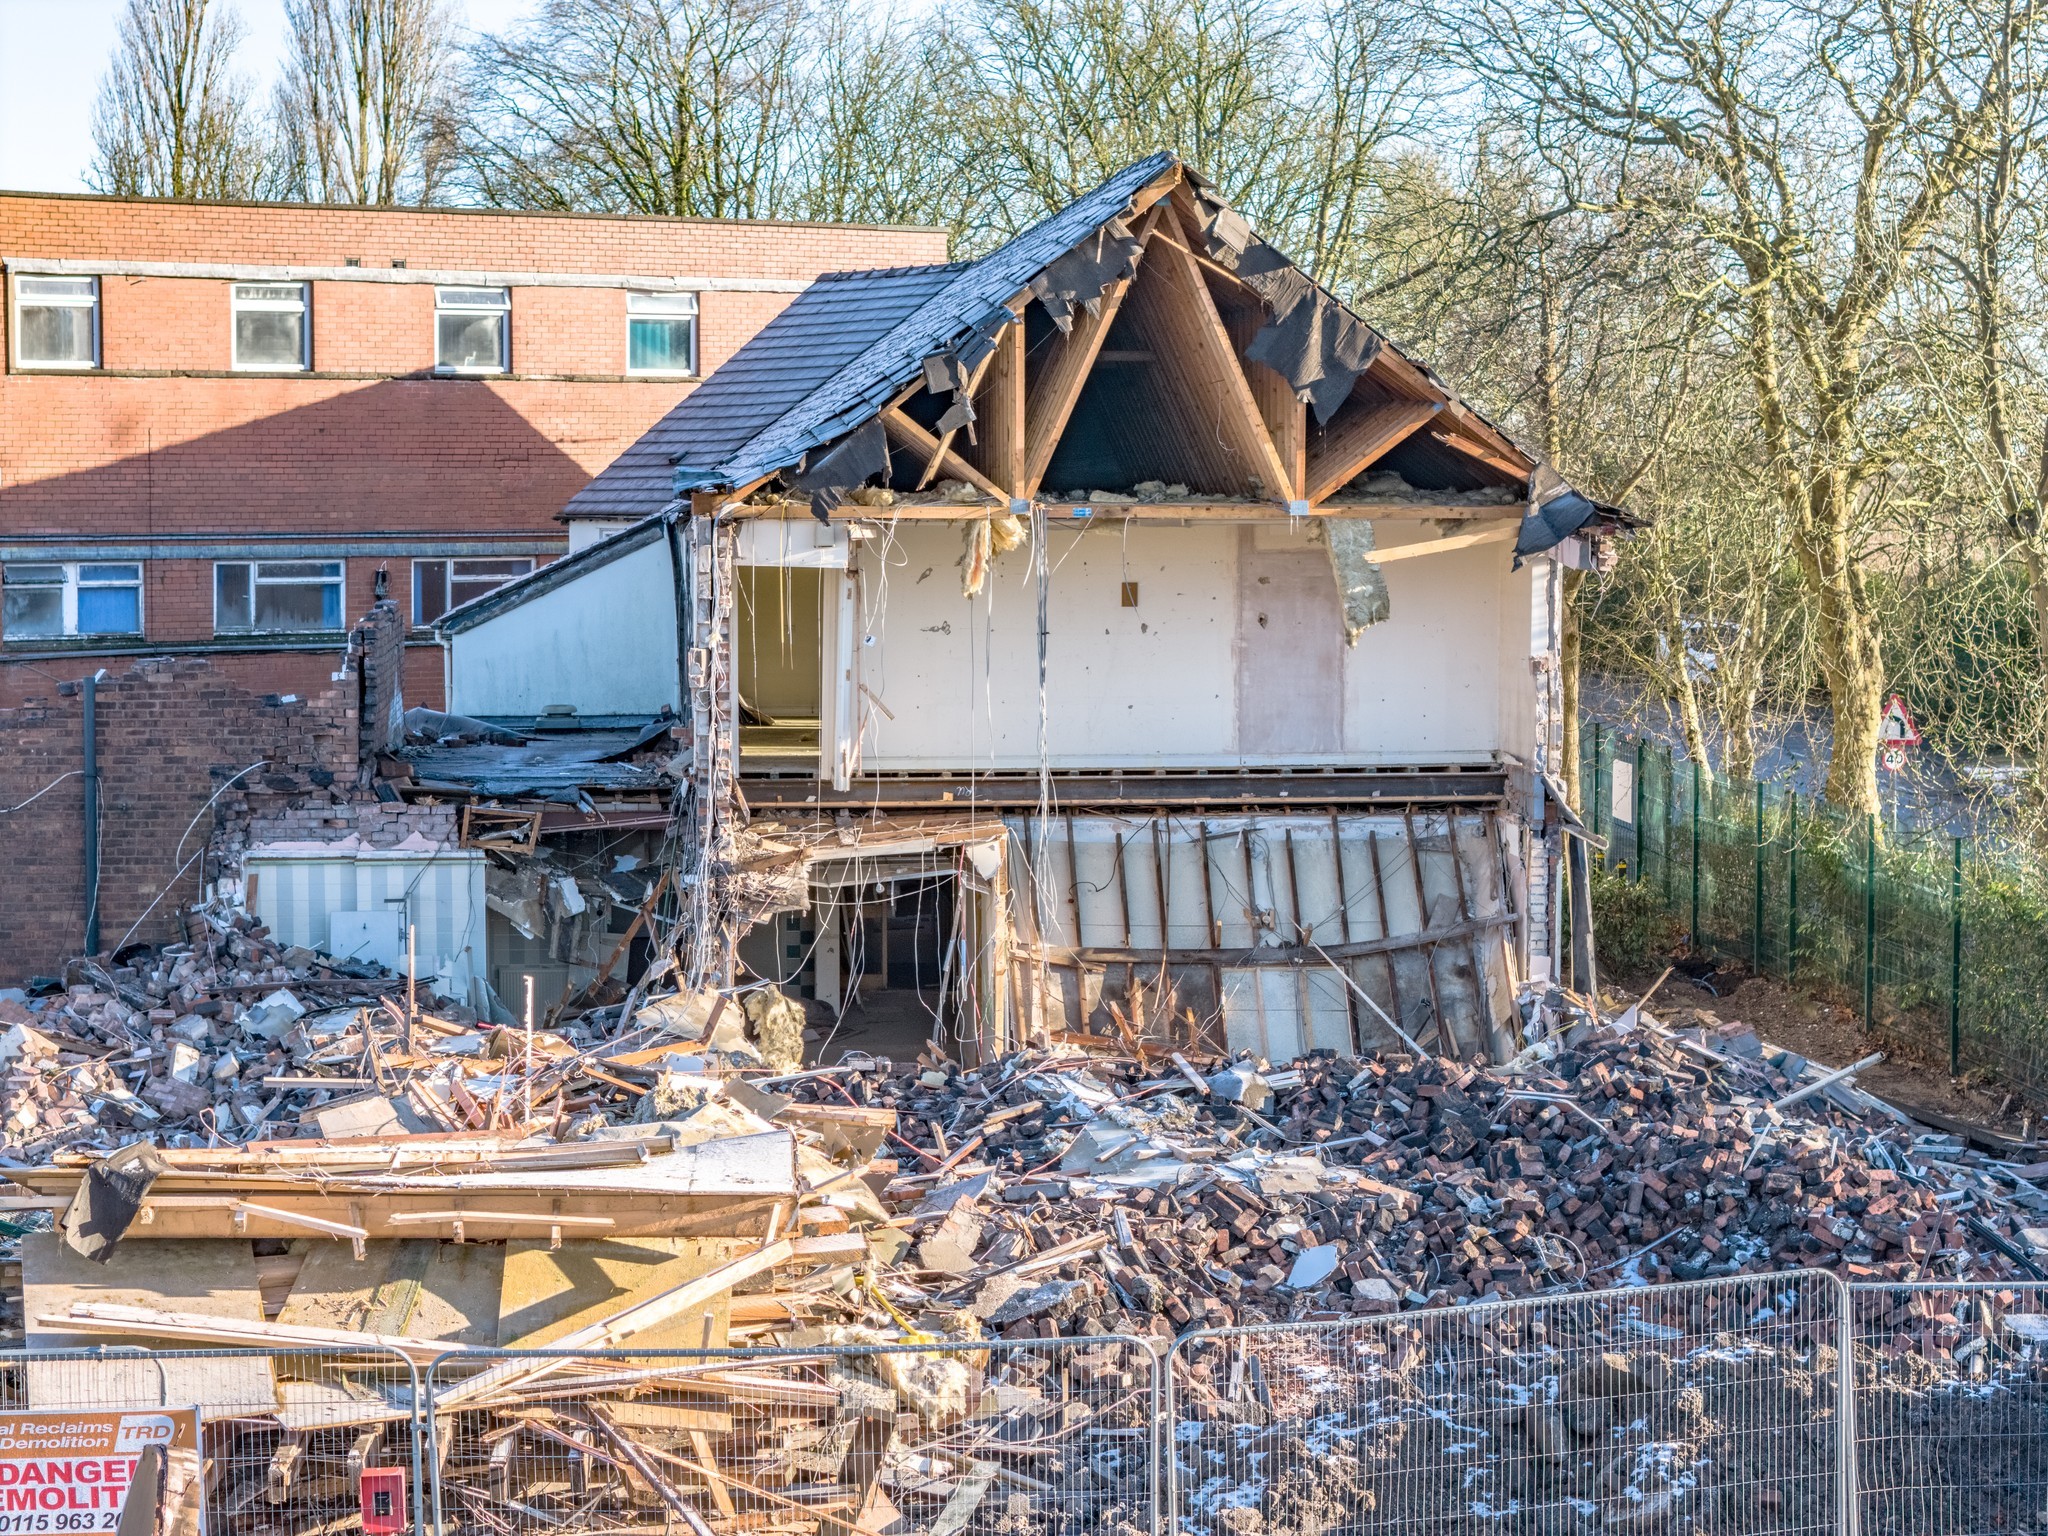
[1111,636]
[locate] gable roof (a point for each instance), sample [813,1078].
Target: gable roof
[836,356]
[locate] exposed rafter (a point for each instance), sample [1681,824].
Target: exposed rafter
[1000,413]
[1213,359]
[1053,396]
[1360,437]
[914,437]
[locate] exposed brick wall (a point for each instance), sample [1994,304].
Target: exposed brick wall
[173,735]
[365,445]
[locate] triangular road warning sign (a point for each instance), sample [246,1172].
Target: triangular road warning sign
[1898,729]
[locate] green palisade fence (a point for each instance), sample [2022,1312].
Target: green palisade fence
[1942,947]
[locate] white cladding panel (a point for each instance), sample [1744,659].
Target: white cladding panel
[440,894]
[604,642]
[1231,655]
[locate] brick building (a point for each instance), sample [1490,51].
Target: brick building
[218,421]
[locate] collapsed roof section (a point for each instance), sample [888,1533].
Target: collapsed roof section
[1142,348]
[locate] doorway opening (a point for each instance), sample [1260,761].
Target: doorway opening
[779,648]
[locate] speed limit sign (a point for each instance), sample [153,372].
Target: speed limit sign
[1893,759]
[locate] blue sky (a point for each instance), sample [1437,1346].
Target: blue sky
[53,53]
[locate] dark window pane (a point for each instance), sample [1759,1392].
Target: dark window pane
[659,346]
[35,575]
[429,590]
[298,605]
[109,611]
[231,613]
[26,612]
[469,341]
[55,334]
[268,339]
[117,573]
[474,578]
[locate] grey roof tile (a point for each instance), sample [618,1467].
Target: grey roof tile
[823,329]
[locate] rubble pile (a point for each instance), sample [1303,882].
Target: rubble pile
[235,1145]
[196,1040]
[1601,1156]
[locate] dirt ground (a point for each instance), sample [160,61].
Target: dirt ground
[1832,1035]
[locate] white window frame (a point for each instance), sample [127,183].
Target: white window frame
[14,329]
[444,305]
[237,305]
[72,582]
[449,578]
[339,580]
[694,312]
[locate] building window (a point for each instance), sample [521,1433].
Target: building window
[47,602]
[473,330]
[661,333]
[260,597]
[438,585]
[57,322]
[270,327]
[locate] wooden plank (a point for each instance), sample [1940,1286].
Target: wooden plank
[219,1281]
[1206,511]
[1356,441]
[420,1288]
[1213,359]
[914,437]
[548,1294]
[1000,414]
[1498,534]
[633,1322]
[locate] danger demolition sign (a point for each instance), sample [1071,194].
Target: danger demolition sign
[84,1471]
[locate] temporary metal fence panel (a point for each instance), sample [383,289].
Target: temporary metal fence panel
[1951,1408]
[1708,1407]
[1058,1437]
[285,1435]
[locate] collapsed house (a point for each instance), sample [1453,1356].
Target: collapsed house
[1111,636]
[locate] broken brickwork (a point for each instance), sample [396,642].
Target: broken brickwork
[184,755]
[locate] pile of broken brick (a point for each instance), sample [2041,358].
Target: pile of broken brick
[391,1186]
[1191,1196]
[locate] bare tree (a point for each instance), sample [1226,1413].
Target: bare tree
[362,107]
[172,119]
[1819,145]
[644,106]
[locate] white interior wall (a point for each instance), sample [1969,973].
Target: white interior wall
[604,642]
[1189,677]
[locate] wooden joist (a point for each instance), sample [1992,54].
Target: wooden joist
[1000,420]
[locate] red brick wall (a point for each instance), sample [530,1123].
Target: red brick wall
[171,734]
[153,447]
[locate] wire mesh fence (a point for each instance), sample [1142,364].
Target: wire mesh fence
[950,1438]
[1717,1406]
[1951,1409]
[1709,1407]
[252,1442]
[1932,939]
